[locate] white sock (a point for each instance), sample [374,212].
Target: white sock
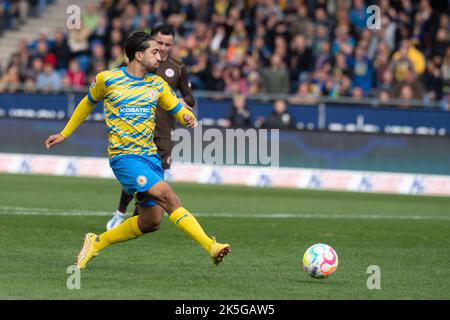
[120,214]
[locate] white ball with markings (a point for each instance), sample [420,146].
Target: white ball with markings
[320,261]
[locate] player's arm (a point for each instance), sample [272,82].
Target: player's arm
[169,102]
[81,112]
[185,87]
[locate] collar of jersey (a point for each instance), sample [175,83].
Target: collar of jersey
[131,76]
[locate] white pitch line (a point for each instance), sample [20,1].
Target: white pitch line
[23,211]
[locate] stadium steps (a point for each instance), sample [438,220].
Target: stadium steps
[54,17]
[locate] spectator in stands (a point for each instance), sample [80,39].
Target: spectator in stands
[37,66]
[49,79]
[239,115]
[303,95]
[358,15]
[24,55]
[250,35]
[362,70]
[219,41]
[74,78]
[90,16]
[301,59]
[409,52]
[235,83]
[98,56]
[442,41]
[275,79]
[117,58]
[416,85]
[78,40]
[381,60]
[345,87]
[406,95]
[433,78]
[357,93]
[401,64]
[42,51]
[445,69]
[61,50]
[324,56]
[215,81]
[9,12]
[280,117]
[10,81]
[100,33]
[342,38]
[29,85]
[199,72]
[387,81]
[251,73]
[300,20]
[384,97]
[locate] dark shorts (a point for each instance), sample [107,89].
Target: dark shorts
[165,147]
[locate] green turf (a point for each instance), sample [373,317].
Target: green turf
[35,250]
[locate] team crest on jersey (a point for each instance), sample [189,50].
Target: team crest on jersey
[141,180]
[170,73]
[152,94]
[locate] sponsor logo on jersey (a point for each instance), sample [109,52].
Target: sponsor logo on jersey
[130,111]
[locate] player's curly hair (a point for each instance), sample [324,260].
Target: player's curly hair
[137,42]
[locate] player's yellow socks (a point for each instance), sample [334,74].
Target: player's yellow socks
[184,220]
[125,231]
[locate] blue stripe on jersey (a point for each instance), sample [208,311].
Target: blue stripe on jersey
[176,109]
[128,100]
[113,80]
[90,98]
[138,84]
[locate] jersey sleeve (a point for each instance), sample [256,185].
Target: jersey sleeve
[84,108]
[97,89]
[168,100]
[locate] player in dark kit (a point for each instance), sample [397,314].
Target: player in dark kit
[175,74]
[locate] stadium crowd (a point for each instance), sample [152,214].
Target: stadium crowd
[306,48]
[14,13]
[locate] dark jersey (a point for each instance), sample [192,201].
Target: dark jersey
[175,74]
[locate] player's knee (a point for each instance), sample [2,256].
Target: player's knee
[150,228]
[147,225]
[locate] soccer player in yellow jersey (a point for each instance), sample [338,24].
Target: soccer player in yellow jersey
[131,94]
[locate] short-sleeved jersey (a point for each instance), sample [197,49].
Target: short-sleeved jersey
[129,108]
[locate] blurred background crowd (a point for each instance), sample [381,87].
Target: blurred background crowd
[304,48]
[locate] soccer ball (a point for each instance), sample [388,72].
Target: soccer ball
[320,261]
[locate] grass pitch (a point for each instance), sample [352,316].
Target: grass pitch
[43,221]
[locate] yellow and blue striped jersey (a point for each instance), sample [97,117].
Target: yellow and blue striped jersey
[129,107]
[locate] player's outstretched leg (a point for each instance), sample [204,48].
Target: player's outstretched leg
[147,221]
[163,194]
[119,216]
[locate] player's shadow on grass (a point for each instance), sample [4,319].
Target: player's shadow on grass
[321,282]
